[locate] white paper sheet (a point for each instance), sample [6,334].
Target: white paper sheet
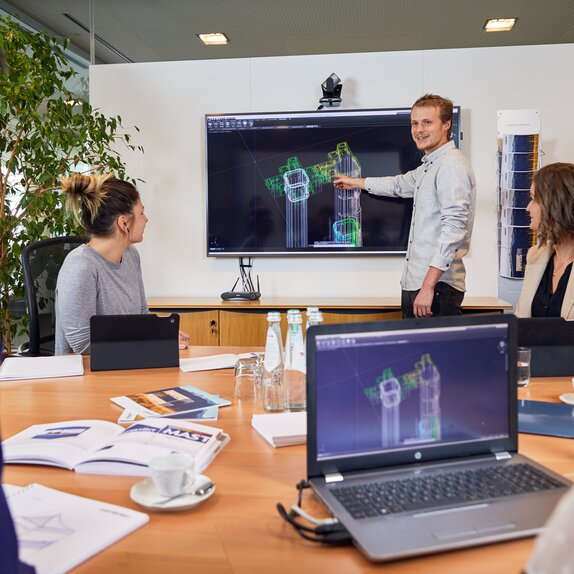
[211,362]
[20,368]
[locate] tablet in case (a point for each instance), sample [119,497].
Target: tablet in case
[133,342]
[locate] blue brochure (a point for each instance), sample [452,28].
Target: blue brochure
[171,402]
[552,419]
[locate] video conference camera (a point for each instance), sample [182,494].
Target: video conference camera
[332,88]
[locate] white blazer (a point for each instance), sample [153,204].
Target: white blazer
[536,261]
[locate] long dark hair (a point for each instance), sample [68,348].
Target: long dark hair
[554,193]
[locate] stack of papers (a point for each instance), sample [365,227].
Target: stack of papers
[282,429]
[211,362]
[19,368]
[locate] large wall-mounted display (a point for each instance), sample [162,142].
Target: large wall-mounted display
[269,182]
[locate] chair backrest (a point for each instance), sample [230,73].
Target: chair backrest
[41,262]
[552,342]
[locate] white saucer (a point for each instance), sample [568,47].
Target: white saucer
[567,398]
[145,494]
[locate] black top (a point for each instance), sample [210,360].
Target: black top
[546,303]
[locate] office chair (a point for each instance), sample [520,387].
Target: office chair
[41,262]
[551,340]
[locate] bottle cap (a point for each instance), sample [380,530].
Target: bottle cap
[315,317]
[294,318]
[273,316]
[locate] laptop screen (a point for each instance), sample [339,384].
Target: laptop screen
[409,389]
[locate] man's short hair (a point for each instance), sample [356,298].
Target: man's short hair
[444,106]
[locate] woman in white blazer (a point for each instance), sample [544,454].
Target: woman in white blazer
[548,288]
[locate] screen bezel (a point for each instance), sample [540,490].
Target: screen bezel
[322,467]
[346,251]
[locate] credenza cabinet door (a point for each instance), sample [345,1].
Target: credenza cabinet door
[330,317]
[249,328]
[202,326]
[244,328]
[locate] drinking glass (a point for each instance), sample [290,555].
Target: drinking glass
[523,366]
[247,379]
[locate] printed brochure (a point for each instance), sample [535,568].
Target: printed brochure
[101,447]
[172,402]
[57,531]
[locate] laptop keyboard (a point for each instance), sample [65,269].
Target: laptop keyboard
[430,491]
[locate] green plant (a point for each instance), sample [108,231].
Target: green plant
[45,133]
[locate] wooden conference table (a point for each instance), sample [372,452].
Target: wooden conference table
[238,529]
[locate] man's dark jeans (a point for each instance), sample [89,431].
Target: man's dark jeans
[446,301]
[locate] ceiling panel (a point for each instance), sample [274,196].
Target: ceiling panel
[160,30]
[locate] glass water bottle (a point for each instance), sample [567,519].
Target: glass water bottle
[294,376]
[273,393]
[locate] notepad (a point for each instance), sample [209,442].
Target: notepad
[282,429]
[21,368]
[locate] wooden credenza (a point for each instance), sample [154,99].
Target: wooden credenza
[212,321]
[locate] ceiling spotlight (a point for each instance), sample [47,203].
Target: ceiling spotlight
[331,88]
[217,39]
[499,24]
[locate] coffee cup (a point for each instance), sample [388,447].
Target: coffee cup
[172,474]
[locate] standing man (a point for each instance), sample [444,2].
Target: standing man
[443,192]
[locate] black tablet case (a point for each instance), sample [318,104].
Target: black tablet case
[552,342]
[133,342]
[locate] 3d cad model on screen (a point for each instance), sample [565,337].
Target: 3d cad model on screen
[297,183]
[390,391]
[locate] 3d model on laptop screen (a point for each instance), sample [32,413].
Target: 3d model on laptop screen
[396,390]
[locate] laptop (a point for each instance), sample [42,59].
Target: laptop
[406,420]
[133,342]
[551,340]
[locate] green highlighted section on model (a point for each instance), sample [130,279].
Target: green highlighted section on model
[297,183]
[392,391]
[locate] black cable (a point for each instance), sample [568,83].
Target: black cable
[333,533]
[301,486]
[245,274]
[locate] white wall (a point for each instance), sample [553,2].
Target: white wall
[167,101]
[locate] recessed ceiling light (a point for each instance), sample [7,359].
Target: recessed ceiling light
[500,24]
[213,39]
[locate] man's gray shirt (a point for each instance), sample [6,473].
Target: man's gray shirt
[89,284]
[443,189]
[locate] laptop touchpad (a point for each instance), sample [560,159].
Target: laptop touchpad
[457,523]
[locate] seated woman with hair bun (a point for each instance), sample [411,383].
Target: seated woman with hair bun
[102,277]
[548,288]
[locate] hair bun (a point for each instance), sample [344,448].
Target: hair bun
[85,192]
